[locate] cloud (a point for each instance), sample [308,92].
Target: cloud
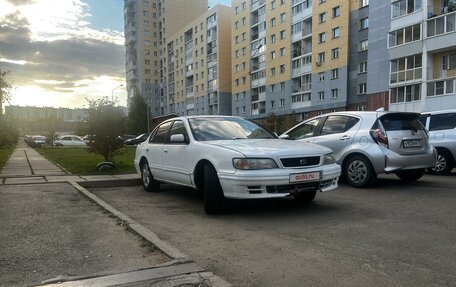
[74,63]
[20,2]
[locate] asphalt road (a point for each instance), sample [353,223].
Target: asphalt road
[395,234]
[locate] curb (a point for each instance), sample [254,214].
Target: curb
[175,254]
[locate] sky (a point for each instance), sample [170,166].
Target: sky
[63,52]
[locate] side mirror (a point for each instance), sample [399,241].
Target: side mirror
[284,137]
[177,138]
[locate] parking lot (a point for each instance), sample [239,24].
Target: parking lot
[394,234]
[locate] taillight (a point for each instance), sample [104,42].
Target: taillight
[380,137]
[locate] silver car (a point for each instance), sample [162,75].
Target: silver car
[366,144]
[442,135]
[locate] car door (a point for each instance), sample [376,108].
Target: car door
[154,150]
[176,158]
[337,133]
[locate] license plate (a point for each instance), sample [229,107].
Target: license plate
[307,176]
[412,143]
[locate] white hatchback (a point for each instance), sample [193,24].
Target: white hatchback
[230,157]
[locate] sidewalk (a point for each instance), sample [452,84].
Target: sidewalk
[52,235]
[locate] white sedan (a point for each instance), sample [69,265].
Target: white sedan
[69,140]
[230,157]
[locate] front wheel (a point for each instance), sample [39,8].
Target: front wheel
[213,193]
[148,182]
[359,172]
[410,175]
[444,164]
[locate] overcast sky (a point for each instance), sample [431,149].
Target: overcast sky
[61,52]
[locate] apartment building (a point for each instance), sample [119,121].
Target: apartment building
[304,57]
[197,73]
[422,55]
[148,24]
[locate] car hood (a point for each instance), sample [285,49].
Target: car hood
[271,147]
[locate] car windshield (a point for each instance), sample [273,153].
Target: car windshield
[225,128]
[401,122]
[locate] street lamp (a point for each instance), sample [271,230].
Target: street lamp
[112,92]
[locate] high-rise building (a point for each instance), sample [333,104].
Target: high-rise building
[148,23]
[197,66]
[422,55]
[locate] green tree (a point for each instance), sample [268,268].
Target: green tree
[104,126]
[5,89]
[137,115]
[8,133]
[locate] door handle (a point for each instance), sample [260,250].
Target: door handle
[147,149]
[344,138]
[165,150]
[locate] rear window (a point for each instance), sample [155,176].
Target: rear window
[442,122]
[401,122]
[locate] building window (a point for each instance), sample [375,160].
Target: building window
[282,69]
[321,76]
[336,32]
[404,7]
[282,52]
[282,103]
[273,4]
[362,68]
[321,96]
[273,38]
[336,11]
[335,73]
[405,94]
[364,23]
[363,45]
[406,69]
[236,40]
[404,35]
[272,104]
[243,36]
[282,86]
[244,6]
[322,37]
[282,17]
[273,55]
[321,58]
[282,34]
[335,53]
[335,93]
[244,20]
[363,3]
[146,13]
[273,22]
[273,71]
[362,89]
[236,10]
[322,17]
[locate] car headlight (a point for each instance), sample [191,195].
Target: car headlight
[329,158]
[254,163]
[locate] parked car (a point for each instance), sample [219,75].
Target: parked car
[366,144]
[35,140]
[137,140]
[442,135]
[230,157]
[69,140]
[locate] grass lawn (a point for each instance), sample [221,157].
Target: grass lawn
[80,161]
[5,153]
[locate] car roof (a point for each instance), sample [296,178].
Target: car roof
[439,112]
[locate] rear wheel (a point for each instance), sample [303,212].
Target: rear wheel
[359,172]
[410,175]
[305,196]
[213,193]
[148,182]
[444,163]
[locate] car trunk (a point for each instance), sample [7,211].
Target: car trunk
[406,135]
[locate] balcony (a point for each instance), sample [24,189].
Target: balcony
[302,89]
[439,74]
[441,24]
[406,76]
[304,69]
[258,82]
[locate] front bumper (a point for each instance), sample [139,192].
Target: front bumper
[275,183]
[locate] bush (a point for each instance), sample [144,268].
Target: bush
[8,133]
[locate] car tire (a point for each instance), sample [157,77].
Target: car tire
[410,175]
[358,172]
[305,197]
[444,164]
[212,191]
[148,182]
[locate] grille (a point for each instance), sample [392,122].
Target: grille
[300,161]
[292,188]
